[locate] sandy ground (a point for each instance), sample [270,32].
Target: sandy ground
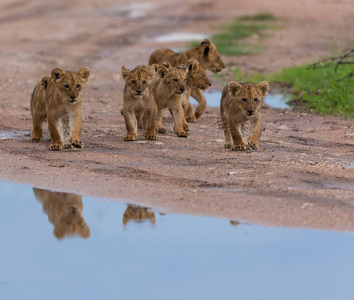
[302,175]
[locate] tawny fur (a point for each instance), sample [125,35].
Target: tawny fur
[206,54]
[168,88]
[58,99]
[138,214]
[64,211]
[196,78]
[139,104]
[240,110]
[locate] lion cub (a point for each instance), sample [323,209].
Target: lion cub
[139,102]
[64,211]
[196,78]
[58,99]
[240,107]
[168,88]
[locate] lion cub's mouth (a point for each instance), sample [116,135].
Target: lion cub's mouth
[179,93]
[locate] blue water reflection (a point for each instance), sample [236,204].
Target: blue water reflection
[153,256]
[273,100]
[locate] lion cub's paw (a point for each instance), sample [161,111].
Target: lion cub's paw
[77,143]
[36,139]
[55,147]
[191,119]
[151,136]
[253,143]
[68,146]
[186,127]
[240,147]
[161,130]
[227,145]
[129,137]
[182,134]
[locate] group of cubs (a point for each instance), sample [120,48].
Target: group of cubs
[167,82]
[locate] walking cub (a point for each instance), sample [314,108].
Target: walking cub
[168,87]
[196,78]
[240,108]
[58,99]
[139,102]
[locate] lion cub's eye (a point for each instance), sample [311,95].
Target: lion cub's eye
[175,80]
[133,82]
[244,99]
[144,82]
[255,99]
[66,86]
[78,86]
[204,75]
[184,80]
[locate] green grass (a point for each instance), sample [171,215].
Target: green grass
[259,17]
[323,90]
[230,41]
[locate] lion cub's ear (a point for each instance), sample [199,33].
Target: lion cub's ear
[155,66]
[192,65]
[44,82]
[84,73]
[234,87]
[57,75]
[205,47]
[183,68]
[125,72]
[263,87]
[162,71]
[205,42]
[166,64]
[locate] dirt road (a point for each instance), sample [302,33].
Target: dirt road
[301,176]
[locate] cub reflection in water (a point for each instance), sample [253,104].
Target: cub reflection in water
[138,214]
[64,211]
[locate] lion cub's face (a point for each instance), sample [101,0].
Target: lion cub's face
[70,84]
[196,76]
[138,79]
[173,78]
[210,57]
[247,97]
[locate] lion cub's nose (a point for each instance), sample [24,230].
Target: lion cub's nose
[72,97]
[182,89]
[250,112]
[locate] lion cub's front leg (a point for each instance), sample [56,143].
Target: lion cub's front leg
[53,126]
[239,143]
[75,128]
[254,138]
[131,126]
[149,121]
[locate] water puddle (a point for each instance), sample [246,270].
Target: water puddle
[273,100]
[14,135]
[179,37]
[130,10]
[60,245]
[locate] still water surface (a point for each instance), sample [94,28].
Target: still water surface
[273,100]
[130,252]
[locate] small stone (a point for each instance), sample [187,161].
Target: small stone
[282,127]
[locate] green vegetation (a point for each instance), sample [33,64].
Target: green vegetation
[228,41]
[259,17]
[323,89]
